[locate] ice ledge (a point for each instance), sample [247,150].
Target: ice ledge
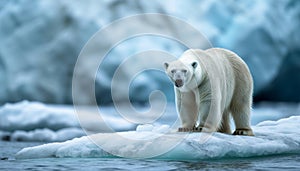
[271,137]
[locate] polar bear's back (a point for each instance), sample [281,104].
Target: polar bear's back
[243,82]
[236,62]
[239,67]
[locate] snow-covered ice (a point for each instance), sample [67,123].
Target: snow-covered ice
[271,137]
[32,115]
[273,111]
[35,121]
[47,135]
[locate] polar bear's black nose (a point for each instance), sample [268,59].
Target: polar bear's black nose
[179,83]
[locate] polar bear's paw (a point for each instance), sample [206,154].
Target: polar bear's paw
[247,132]
[194,129]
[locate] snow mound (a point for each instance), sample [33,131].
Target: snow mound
[271,137]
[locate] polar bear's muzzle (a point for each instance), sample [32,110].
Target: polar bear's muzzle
[179,83]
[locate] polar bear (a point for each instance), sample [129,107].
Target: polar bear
[210,85]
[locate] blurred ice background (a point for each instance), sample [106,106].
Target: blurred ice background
[41,40]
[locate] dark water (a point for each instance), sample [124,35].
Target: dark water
[9,149]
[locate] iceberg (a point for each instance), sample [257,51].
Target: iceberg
[271,138]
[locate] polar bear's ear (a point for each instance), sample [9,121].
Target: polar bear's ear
[166,65]
[194,64]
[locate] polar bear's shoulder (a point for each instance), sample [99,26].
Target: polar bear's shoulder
[219,51]
[192,55]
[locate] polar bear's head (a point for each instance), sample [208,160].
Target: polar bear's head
[180,72]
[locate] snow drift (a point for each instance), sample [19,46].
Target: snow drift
[271,137]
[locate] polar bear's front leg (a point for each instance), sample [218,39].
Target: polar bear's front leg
[187,109]
[209,120]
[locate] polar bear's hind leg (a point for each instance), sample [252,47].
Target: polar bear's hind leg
[240,110]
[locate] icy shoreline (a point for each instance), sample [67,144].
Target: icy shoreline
[271,137]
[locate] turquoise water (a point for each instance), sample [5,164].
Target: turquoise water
[9,149]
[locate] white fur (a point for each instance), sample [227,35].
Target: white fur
[219,85]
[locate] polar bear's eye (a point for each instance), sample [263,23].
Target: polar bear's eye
[172,71]
[184,70]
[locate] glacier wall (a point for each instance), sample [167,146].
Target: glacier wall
[41,40]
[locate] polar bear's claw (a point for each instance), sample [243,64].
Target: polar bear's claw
[247,132]
[194,129]
[197,129]
[184,129]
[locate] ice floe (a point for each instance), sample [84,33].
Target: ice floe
[271,137]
